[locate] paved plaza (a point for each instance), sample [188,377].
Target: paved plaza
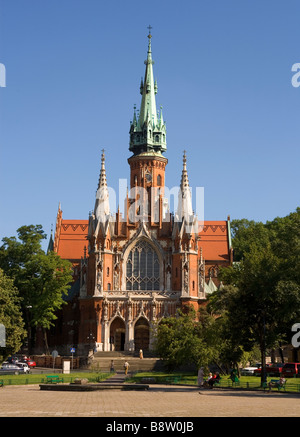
[158,401]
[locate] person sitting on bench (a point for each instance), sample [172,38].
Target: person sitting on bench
[216,378]
[277,384]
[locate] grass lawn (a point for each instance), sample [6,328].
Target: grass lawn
[41,378]
[247,382]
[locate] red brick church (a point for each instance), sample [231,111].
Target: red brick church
[132,269]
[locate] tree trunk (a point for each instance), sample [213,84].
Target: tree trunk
[263,363]
[220,368]
[237,368]
[281,353]
[47,352]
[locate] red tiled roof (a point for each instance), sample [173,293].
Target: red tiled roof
[214,240]
[72,239]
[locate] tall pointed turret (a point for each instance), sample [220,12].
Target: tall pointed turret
[148,131]
[102,210]
[185,209]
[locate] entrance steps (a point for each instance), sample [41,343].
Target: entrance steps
[102,360]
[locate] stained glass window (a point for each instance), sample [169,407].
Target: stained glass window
[143,268]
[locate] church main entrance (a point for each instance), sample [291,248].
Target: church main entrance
[141,335]
[117,334]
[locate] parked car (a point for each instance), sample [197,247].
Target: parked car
[272,369]
[248,370]
[289,370]
[30,362]
[24,366]
[8,369]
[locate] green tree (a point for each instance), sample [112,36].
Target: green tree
[42,279]
[285,239]
[259,305]
[244,233]
[10,317]
[183,340]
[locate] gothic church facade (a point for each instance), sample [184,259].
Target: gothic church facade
[132,270]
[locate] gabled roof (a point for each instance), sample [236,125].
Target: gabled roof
[71,240]
[215,240]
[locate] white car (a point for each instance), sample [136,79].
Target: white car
[11,369]
[248,371]
[23,366]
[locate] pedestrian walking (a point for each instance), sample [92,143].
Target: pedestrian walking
[126,367]
[112,366]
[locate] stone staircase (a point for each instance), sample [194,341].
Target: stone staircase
[102,360]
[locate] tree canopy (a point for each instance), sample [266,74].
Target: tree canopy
[10,317]
[261,296]
[255,308]
[42,279]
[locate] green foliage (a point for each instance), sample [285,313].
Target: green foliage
[49,283]
[261,297]
[41,279]
[10,317]
[184,340]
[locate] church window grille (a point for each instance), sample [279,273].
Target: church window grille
[142,268]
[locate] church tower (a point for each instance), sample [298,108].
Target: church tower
[148,143]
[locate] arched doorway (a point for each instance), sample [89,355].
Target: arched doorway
[117,334]
[141,334]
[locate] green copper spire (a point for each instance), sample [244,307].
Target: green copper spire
[148,130]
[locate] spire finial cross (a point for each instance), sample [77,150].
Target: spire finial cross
[149,27]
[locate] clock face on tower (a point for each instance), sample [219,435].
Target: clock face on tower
[148,177]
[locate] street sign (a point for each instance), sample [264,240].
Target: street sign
[54,354]
[72,350]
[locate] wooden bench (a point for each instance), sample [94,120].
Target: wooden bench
[54,379]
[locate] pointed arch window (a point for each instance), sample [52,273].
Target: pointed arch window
[142,268]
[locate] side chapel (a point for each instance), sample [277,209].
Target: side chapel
[132,270]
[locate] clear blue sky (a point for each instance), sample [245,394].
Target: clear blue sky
[73,70]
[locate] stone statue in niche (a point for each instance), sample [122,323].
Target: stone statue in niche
[116,280]
[105,310]
[186,281]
